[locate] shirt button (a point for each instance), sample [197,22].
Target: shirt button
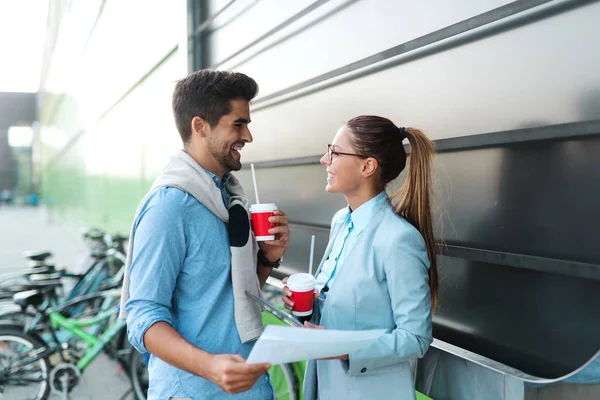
[362,371]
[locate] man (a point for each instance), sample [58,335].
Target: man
[185,303]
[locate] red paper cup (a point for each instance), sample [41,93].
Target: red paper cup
[303,293]
[260,214]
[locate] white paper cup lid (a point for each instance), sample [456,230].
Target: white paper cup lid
[263,207]
[301,282]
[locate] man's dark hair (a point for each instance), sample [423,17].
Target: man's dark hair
[207,94]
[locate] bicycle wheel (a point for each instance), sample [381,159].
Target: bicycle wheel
[22,379]
[138,373]
[285,384]
[119,349]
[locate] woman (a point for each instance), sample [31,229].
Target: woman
[379,269]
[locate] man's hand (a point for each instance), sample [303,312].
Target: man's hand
[229,371]
[233,375]
[273,250]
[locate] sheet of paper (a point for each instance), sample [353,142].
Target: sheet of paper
[285,344]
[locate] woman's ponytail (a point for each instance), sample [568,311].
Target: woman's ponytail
[413,200]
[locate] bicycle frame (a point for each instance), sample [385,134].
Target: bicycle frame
[60,324]
[94,344]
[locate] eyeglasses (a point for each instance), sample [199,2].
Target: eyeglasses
[331,152]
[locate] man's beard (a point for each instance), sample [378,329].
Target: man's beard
[225,159]
[228,162]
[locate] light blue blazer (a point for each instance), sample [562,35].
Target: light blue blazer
[383,284]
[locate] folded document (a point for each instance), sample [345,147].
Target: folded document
[285,344]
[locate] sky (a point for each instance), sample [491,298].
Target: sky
[22,35]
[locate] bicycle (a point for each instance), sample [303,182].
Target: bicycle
[106,271]
[50,364]
[37,261]
[107,253]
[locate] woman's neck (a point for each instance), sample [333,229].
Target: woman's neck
[360,196]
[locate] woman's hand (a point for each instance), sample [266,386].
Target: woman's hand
[287,299]
[313,326]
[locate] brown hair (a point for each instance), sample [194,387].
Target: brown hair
[207,94]
[379,138]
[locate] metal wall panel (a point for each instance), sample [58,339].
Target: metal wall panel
[491,84]
[252,20]
[537,198]
[541,324]
[335,33]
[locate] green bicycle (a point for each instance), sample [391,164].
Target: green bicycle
[32,368]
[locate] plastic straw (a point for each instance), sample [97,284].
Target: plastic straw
[312,253]
[254,180]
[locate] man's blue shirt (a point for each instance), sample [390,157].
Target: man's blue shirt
[181,274]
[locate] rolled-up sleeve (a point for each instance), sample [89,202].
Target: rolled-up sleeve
[406,271]
[159,250]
